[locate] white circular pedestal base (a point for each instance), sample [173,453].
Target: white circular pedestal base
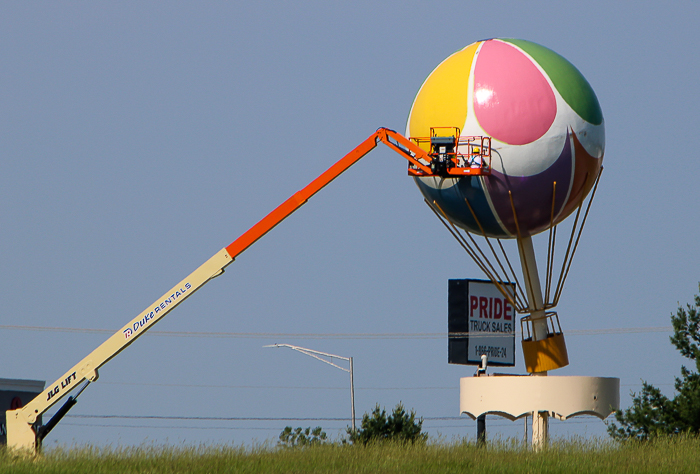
[514,396]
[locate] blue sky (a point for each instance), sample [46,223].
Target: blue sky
[138,139]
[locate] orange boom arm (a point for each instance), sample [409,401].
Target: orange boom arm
[394,140]
[420,163]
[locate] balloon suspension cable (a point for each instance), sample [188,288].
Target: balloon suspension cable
[560,282]
[550,247]
[508,276]
[515,275]
[458,237]
[494,276]
[484,265]
[501,272]
[564,274]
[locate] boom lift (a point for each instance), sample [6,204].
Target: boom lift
[437,155]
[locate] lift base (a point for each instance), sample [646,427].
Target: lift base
[20,434]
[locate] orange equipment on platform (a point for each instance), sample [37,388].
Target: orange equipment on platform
[454,155]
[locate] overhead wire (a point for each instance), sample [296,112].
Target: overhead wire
[288,387]
[460,422]
[250,418]
[267,335]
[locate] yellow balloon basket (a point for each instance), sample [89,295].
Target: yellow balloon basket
[543,353]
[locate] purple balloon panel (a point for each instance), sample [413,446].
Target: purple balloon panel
[513,102]
[532,195]
[586,169]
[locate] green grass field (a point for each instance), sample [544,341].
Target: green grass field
[664,455]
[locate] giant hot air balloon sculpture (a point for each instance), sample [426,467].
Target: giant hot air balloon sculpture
[547,140]
[531,126]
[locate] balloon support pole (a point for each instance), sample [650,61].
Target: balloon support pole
[540,419]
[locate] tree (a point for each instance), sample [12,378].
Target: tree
[653,414]
[399,426]
[294,438]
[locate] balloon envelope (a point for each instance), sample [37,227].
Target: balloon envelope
[545,123]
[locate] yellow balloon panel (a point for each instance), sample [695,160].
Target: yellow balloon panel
[442,101]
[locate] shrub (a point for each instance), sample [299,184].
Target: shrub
[652,414]
[399,426]
[293,438]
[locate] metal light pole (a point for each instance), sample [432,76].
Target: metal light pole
[319,355]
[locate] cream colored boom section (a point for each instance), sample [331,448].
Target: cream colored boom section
[20,434]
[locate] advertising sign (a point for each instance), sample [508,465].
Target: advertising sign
[480,321]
